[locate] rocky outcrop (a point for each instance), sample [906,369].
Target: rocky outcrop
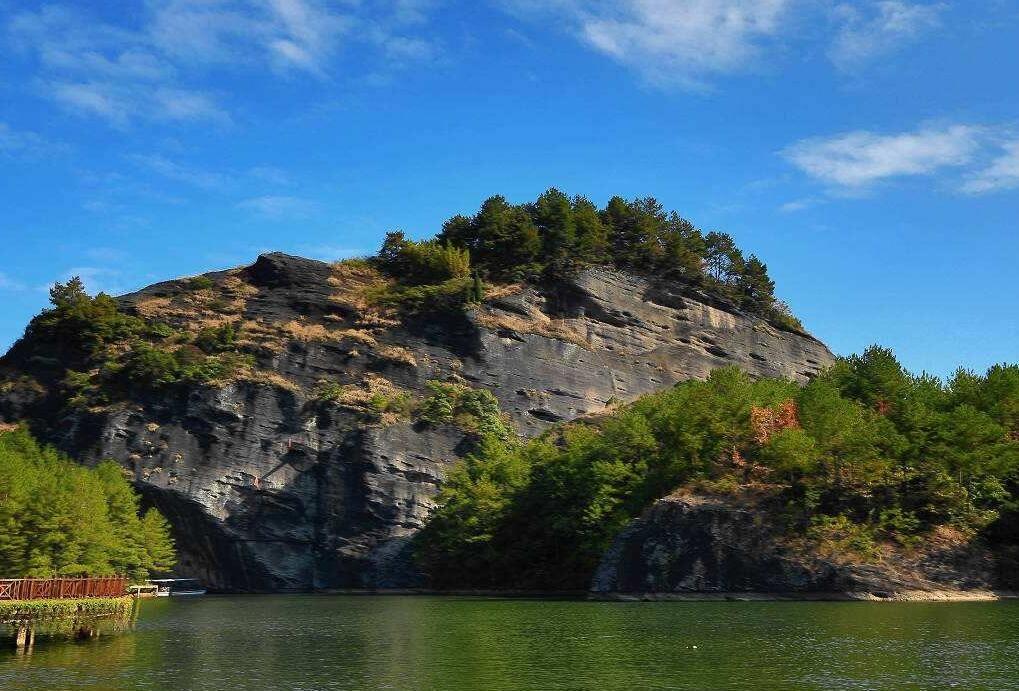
[269,487]
[691,544]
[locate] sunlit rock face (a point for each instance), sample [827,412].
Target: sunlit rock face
[270,488]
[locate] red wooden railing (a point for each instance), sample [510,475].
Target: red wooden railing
[58,588]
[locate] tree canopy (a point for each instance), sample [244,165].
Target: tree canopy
[557,234]
[58,518]
[864,453]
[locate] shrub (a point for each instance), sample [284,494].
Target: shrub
[473,410]
[901,525]
[840,536]
[400,404]
[217,339]
[449,295]
[332,392]
[161,331]
[148,367]
[374,395]
[422,263]
[216,367]
[200,283]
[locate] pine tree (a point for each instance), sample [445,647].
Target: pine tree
[58,518]
[553,216]
[592,235]
[757,290]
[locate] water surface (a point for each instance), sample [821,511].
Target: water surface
[305,642]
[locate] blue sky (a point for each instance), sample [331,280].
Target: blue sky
[868,150]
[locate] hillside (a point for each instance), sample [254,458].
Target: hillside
[293,422]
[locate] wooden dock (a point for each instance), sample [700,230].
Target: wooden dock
[61,588]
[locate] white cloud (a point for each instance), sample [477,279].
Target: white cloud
[798,205]
[854,160]
[153,70]
[183,104]
[278,206]
[681,42]
[286,34]
[121,103]
[881,28]
[92,99]
[1001,174]
[100,70]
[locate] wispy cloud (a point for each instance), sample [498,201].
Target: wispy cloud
[228,181]
[1001,174]
[172,170]
[278,206]
[28,144]
[691,43]
[798,205]
[286,35]
[855,160]
[153,69]
[672,42]
[870,31]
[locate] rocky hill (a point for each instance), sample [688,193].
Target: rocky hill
[303,464]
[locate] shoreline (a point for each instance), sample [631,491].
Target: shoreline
[840,596]
[703,596]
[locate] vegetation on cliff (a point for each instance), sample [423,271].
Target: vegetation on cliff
[90,352]
[864,455]
[58,518]
[558,234]
[94,352]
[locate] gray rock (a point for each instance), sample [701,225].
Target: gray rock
[270,489]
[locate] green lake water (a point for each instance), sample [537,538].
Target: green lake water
[304,642]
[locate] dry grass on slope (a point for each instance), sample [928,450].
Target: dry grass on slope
[195,309]
[537,323]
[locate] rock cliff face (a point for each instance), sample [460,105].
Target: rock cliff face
[698,544]
[269,487]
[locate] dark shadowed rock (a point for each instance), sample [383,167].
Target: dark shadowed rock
[699,544]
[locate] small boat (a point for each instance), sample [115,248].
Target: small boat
[177,587]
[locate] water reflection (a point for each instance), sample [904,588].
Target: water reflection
[337,642]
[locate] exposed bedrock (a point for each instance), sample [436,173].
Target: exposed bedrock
[702,544]
[269,488]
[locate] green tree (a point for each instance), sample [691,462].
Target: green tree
[592,244]
[553,217]
[60,518]
[756,289]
